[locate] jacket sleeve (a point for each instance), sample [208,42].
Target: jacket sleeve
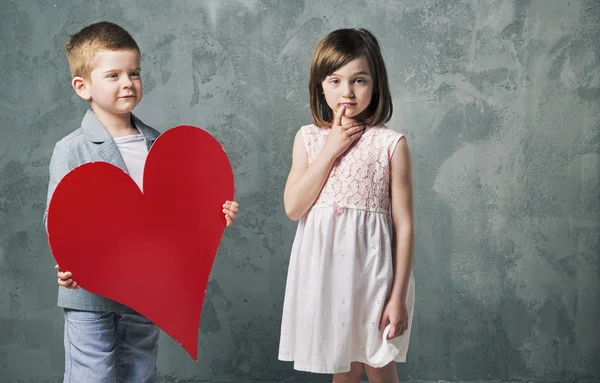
[63,160]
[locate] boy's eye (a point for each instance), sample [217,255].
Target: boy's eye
[135,74]
[111,75]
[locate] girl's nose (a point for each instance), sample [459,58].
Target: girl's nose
[347,91]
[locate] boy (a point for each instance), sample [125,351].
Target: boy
[106,341]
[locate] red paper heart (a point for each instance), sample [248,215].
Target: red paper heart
[152,251]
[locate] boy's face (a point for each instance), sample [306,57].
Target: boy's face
[115,86]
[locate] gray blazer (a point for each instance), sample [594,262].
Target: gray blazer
[90,143]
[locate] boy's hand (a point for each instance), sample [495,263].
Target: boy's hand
[230,208]
[65,279]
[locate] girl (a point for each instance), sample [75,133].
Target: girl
[350,291]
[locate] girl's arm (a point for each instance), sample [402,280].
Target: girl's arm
[305,182]
[402,216]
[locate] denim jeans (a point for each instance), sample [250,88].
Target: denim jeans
[109,347]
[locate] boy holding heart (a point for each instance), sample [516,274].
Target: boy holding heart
[106,341]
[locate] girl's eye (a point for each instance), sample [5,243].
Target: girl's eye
[360,81]
[334,81]
[135,74]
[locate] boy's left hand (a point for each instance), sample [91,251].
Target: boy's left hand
[230,208]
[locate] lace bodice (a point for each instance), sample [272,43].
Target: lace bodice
[360,177]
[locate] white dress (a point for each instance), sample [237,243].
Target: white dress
[340,270]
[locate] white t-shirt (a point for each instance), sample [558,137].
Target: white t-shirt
[134,152]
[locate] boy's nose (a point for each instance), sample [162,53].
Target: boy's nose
[126,82]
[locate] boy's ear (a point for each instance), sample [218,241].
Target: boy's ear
[81,88]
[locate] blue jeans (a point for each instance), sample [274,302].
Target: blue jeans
[110,347]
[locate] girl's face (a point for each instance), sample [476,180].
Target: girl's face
[351,86]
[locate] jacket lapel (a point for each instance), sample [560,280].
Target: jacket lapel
[110,153]
[150,135]
[107,148]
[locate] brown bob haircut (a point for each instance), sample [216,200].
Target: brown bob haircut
[334,51]
[103,36]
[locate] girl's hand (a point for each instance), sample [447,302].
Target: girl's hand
[395,314]
[230,208]
[341,136]
[65,279]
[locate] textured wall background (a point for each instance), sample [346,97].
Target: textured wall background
[500,103]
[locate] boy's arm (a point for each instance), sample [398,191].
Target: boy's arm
[63,160]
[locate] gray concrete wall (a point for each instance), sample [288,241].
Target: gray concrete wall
[500,103]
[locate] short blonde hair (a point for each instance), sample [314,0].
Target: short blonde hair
[334,51]
[83,46]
